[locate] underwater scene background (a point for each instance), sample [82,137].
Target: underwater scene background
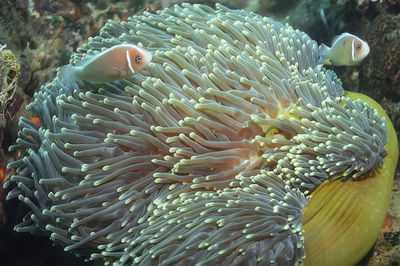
[39,36]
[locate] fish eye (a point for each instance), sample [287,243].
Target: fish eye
[358,46]
[138,59]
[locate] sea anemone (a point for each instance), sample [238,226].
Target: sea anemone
[232,146]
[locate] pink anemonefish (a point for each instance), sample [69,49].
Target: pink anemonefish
[115,63]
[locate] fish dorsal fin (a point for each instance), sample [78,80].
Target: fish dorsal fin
[83,61]
[91,58]
[337,37]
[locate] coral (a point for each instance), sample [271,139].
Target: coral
[10,101]
[10,93]
[9,73]
[382,67]
[363,5]
[393,111]
[210,153]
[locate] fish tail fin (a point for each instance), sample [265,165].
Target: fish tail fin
[323,54]
[68,74]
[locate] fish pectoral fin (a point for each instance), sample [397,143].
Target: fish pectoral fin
[333,63]
[328,62]
[116,71]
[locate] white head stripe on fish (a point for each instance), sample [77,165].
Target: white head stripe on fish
[128,58]
[353,50]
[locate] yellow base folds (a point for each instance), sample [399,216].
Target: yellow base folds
[343,219]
